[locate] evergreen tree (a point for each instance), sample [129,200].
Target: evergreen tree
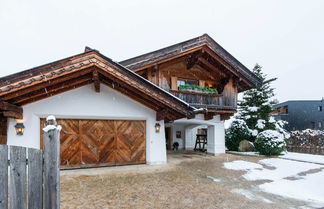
[254,116]
[256,106]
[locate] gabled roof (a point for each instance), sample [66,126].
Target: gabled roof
[89,67]
[189,46]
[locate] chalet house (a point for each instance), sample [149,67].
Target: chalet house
[126,113]
[301,114]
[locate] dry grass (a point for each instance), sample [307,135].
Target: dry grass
[181,184]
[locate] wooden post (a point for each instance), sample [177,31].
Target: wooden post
[51,164]
[18,177]
[3,177]
[35,178]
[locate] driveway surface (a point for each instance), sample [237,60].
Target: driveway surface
[189,180]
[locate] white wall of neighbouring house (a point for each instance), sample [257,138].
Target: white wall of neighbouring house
[85,103]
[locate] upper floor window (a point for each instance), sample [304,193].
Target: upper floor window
[320,108]
[319,124]
[182,82]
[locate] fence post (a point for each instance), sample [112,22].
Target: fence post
[3,177]
[51,164]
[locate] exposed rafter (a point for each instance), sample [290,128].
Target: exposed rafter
[10,110]
[96,81]
[192,59]
[50,90]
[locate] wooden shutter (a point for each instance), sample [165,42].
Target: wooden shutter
[174,85]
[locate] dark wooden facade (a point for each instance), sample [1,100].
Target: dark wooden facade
[199,64]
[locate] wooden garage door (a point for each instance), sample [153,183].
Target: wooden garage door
[90,143]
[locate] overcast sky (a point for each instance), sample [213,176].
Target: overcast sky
[286,37]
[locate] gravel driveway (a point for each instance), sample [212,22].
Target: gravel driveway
[187,181]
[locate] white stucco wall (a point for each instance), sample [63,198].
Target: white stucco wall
[215,135]
[181,140]
[85,103]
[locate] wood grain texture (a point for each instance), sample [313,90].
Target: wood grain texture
[92,143]
[18,187]
[3,130]
[3,176]
[35,178]
[52,169]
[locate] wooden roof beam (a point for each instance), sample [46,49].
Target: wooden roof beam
[204,63]
[96,80]
[12,114]
[11,111]
[51,90]
[5,106]
[47,83]
[217,58]
[192,59]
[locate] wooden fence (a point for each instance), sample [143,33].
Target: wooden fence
[30,178]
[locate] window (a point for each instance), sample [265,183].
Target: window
[319,124]
[187,82]
[320,108]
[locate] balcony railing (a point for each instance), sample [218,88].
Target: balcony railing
[207,100]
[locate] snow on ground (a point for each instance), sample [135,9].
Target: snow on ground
[283,169]
[214,179]
[293,179]
[241,165]
[250,195]
[303,157]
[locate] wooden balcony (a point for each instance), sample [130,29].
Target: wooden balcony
[207,100]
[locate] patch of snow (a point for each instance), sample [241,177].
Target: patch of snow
[214,179]
[303,157]
[310,132]
[241,165]
[253,109]
[310,188]
[275,136]
[307,186]
[283,169]
[247,117]
[260,124]
[50,117]
[254,132]
[272,120]
[250,196]
[52,127]
[245,153]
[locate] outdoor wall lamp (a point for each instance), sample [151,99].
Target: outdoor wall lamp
[20,129]
[157,127]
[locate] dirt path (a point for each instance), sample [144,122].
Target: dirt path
[187,182]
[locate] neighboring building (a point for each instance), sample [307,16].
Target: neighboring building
[110,112]
[301,114]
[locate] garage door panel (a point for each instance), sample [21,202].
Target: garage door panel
[69,126]
[138,156]
[108,156]
[88,156]
[123,157]
[71,156]
[87,143]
